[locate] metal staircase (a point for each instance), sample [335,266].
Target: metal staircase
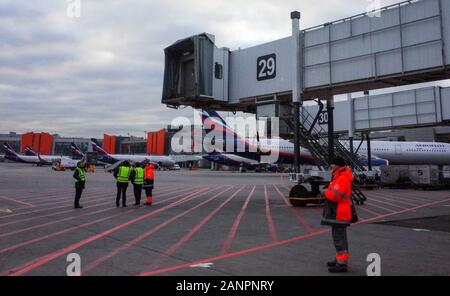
[313,137]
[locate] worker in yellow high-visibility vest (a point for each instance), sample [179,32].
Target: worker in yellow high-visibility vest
[80,183]
[122,175]
[137,178]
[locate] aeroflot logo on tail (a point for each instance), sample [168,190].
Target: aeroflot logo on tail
[206,133]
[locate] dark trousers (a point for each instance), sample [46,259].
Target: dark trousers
[148,191]
[137,193]
[121,192]
[339,234]
[78,191]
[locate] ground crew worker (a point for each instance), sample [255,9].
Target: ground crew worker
[137,178]
[80,177]
[337,212]
[149,177]
[122,175]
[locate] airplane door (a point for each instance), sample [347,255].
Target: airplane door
[398,149]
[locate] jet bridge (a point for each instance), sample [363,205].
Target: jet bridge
[408,43]
[398,45]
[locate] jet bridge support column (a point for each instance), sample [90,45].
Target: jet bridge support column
[330,111]
[369,152]
[296,85]
[351,118]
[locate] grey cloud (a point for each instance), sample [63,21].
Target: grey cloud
[102,73]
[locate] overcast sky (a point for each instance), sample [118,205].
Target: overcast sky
[102,72]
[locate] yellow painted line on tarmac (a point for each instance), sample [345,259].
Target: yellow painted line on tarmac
[4,210]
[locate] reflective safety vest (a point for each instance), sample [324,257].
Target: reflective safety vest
[139,177]
[339,194]
[124,174]
[149,173]
[81,175]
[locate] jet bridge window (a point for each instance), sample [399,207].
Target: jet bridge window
[218,71]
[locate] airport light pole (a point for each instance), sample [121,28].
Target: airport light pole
[296,85]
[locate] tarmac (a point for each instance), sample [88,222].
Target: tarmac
[207,223]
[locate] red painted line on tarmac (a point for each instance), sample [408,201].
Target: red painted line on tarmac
[232,233]
[182,241]
[287,188]
[411,194]
[277,244]
[89,207]
[47,258]
[428,195]
[234,254]
[36,209]
[147,234]
[377,206]
[104,196]
[64,197]
[396,199]
[302,220]
[416,202]
[62,201]
[17,201]
[387,203]
[53,222]
[272,230]
[406,210]
[53,234]
[368,211]
[73,211]
[86,194]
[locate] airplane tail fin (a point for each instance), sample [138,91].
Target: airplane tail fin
[212,119]
[10,153]
[98,149]
[76,152]
[30,152]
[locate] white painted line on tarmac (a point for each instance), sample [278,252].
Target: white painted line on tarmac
[203,265]
[421,230]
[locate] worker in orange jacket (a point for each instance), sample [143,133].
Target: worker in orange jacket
[149,179]
[337,212]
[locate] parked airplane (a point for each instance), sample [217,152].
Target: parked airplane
[157,160]
[45,159]
[12,155]
[35,158]
[383,152]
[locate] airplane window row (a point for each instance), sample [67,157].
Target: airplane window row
[425,150]
[428,145]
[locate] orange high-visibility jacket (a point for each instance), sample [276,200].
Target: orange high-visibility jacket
[149,173]
[338,194]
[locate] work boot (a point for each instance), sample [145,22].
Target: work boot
[338,268]
[78,207]
[124,205]
[331,263]
[137,204]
